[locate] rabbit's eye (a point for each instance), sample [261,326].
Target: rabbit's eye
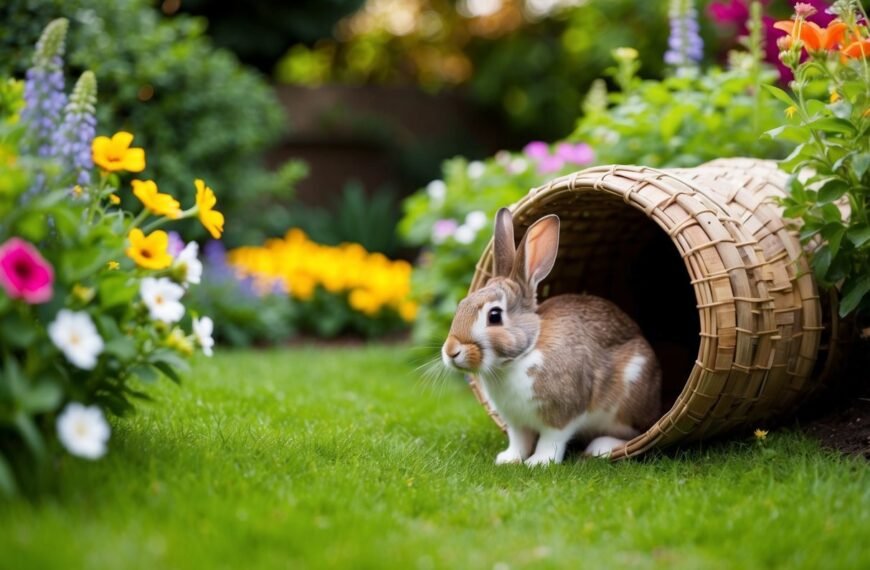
[494,317]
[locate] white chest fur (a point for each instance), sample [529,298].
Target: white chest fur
[510,391]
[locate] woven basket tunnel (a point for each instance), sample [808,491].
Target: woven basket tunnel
[703,261]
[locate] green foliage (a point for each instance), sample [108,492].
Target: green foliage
[680,121]
[77,240]
[341,458]
[685,119]
[355,217]
[195,106]
[829,187]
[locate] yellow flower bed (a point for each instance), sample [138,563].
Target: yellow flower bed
[371,281]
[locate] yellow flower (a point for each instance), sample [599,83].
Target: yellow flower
[114,199]
[149,251]
[761,434]
[113,265]
[83,294]
[211,219]
[78,191]
[154,201]
[835,97]
[790,111]
[408,311]
[115,154]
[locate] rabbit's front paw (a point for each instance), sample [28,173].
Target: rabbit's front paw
[509,455]
[540,459]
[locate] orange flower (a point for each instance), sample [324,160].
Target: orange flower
[858,49]
[814,37]
[115,154]
[211,219]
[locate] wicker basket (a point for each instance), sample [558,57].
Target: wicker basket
[703,261]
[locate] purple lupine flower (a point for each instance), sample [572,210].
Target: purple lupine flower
[71,142]
[686,48]
[44,88]
[176,244]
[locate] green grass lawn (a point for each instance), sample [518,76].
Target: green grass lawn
[344,458]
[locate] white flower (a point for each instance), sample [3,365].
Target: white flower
[188,262]
[161,297]
[437,191]
[518,165]
[476,169]
[76,336]
[503,157]
[476,220]
[464,234]
[83,430]
[202,330]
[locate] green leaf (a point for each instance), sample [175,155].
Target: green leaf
[116,290]
[860,164]
[168,371]
[833,233]
[859,234]
[144,372]
[832,190]
[42,397]
[30,434]
[833,125]
[779,94]
[831,213]
[17,331]
[853,291]
[123,347]
[7,478]
[821,263]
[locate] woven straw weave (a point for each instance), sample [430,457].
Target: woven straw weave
[703,260]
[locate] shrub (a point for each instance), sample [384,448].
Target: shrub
[90,299]
[829,117]
[162,79]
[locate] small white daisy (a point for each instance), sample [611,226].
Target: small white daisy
[464,234]
[83,430]
[76,336]
[476,220]
[161,296]
[190,264]
[476,169]
[437,191]
[202,330]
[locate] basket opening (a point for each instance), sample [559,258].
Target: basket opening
[611,249]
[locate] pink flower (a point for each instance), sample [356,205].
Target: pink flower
[580,153]
[443,229]
[537,150]
[550,164]
[24,273]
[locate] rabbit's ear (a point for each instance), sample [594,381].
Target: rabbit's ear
[537,252]
[505,249]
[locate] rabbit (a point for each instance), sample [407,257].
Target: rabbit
[573,366]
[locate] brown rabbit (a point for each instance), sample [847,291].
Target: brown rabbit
[573,366]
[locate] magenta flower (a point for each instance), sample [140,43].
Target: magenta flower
[537,150]
[24,273]
[550,164]
[580,153]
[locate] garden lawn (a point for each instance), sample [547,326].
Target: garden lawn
[320,458]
